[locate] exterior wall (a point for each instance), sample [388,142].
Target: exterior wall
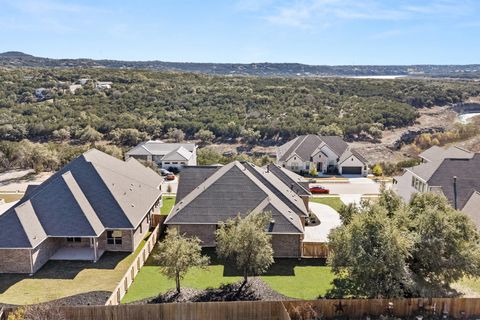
[287,245]
[15,261]
[42,253]
[296,164]
[352,161]
[127,242]
[204,232]
[141,231]
[193,160]
[332,156]
[85,242]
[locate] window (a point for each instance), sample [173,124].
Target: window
[114,237]
[70,239]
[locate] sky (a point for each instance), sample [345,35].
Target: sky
[321,32]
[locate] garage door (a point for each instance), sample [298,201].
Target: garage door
[351,170]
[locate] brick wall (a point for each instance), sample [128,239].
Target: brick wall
[205,232]
[140,232]
[15,261]
[85,242]
[42,253]
[286,245]
[127,242]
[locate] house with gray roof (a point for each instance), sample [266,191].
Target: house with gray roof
[165,155]
[96,203]
[327,154]
[453,172]
[209,195]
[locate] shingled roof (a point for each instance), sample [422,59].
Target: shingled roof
[307,145]
[436,153]
[92,193]
[169,151]
[237,188]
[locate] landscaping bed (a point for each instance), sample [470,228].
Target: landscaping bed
[255,289]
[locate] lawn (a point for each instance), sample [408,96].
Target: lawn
[10,197]
[304,279]
[168,203]
[333,202]
[58,279]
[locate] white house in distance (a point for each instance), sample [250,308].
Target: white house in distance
[165,155]
[328,154]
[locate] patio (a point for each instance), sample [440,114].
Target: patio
[78,254]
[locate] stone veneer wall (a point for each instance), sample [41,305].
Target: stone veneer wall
[15,261]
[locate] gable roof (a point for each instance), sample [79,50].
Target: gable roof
[92,193]
[160,148]
[437,153]
[352,152]
[178,154]
[307,145]
[467,172]
[296,182]
[472,206]
[233,189]
[194,176]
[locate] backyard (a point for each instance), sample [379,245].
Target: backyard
[10,197]
[303,279]
[60,279]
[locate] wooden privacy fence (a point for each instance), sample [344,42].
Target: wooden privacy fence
[437,308]
[134,268]
[458,308]
[261,310]
[314,250]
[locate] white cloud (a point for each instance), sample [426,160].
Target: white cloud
[309,13]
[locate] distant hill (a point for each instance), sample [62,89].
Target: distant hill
[15,59]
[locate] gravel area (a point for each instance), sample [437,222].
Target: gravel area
[255,289]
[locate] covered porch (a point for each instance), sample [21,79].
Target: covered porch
[80,249]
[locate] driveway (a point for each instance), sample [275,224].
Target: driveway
[329,219]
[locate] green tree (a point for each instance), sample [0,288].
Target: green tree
[176,135]
[205,136]
[331,130]
[177,254]
[61,134]
[368,256]
[89,134]
[377,170]
[446,246]
[347,211]
[313,172]
[245,241]
[250,135]
[389,200]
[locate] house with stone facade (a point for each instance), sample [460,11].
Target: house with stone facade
[165,155]
[208,195]
[326,154]
[453,172]
[96,203]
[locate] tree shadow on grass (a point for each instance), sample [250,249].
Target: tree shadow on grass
[64,269]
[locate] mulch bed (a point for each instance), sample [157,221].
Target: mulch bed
[255,289]
[82,299]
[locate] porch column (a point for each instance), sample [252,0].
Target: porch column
[95,249]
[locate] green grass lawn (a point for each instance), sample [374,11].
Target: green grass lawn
[168,203]
[333,202]
[304,279]
[10,197]
[58,279]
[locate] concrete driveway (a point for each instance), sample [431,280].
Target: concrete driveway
[329,219]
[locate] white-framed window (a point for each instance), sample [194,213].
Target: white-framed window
[114,237]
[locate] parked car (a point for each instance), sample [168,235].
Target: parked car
[319,190]
[170,177]
[164,172]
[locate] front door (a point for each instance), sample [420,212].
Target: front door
[319,167]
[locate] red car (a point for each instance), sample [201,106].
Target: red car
[319,189]
[170,177]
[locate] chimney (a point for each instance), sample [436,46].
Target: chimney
[455,192]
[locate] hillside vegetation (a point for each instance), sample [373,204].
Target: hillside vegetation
[147,104]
